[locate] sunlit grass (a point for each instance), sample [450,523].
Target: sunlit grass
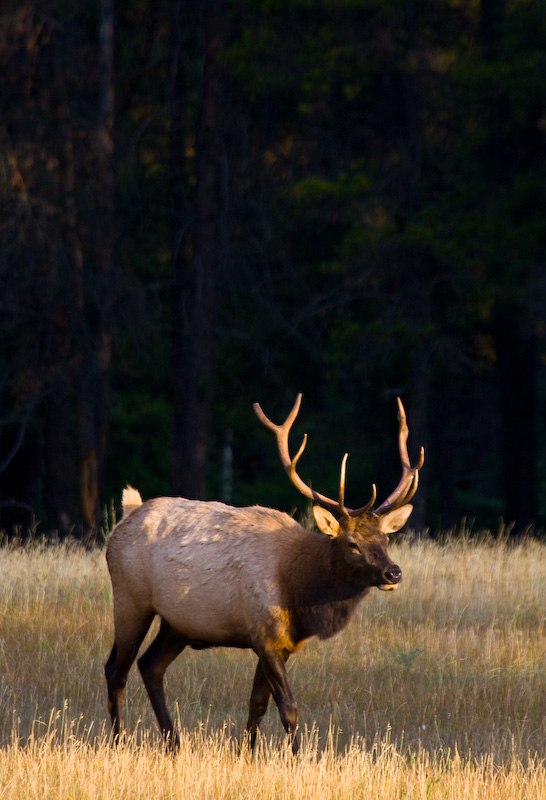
[435,690]
[211,767]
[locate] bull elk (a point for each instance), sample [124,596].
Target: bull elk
[219,576]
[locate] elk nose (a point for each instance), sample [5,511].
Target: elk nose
[393,574]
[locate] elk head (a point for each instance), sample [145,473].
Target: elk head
[362,533]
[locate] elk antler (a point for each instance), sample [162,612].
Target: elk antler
[281,433]
[410,475]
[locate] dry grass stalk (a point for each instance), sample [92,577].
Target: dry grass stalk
[436,690]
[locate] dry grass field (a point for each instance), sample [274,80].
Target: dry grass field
[437,690]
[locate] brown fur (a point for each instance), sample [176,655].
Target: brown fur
[235,577]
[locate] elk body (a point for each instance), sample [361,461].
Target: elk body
[245,577]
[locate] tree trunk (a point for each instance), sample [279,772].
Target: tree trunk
[516,344]
[180,92]
[60,496]
[446,438]
[197,278]
[95,381]
[417,415]
[492,15]
[518,383]
[60,460]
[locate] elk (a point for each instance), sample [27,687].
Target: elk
[220,576]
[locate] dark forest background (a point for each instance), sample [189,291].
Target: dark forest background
[204,204]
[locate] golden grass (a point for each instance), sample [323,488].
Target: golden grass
[437,690]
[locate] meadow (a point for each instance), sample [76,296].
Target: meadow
[437,690]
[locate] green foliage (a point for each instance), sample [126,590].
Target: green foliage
[406,658]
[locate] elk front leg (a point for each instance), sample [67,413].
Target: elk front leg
[272,667]
[259,700]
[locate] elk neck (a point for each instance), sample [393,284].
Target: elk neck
[318,592]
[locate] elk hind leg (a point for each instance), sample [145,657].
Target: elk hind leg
[166,646]
[129,634]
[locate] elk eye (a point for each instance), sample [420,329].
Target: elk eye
[353,546]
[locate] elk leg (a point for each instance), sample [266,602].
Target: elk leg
[129,634]
[166,646]
[273,667]
[259,699]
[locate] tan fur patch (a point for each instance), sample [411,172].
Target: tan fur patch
[277,631]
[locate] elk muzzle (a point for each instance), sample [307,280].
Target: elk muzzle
[391,577]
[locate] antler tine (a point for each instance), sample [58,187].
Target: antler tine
[342,476]
[293,463]
[352,512]
[413,488]
[281,433]
[356,512]
[410,475]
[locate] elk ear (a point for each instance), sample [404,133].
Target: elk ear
[326,522]
[393,521]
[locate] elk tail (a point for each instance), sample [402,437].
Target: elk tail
[130,500]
